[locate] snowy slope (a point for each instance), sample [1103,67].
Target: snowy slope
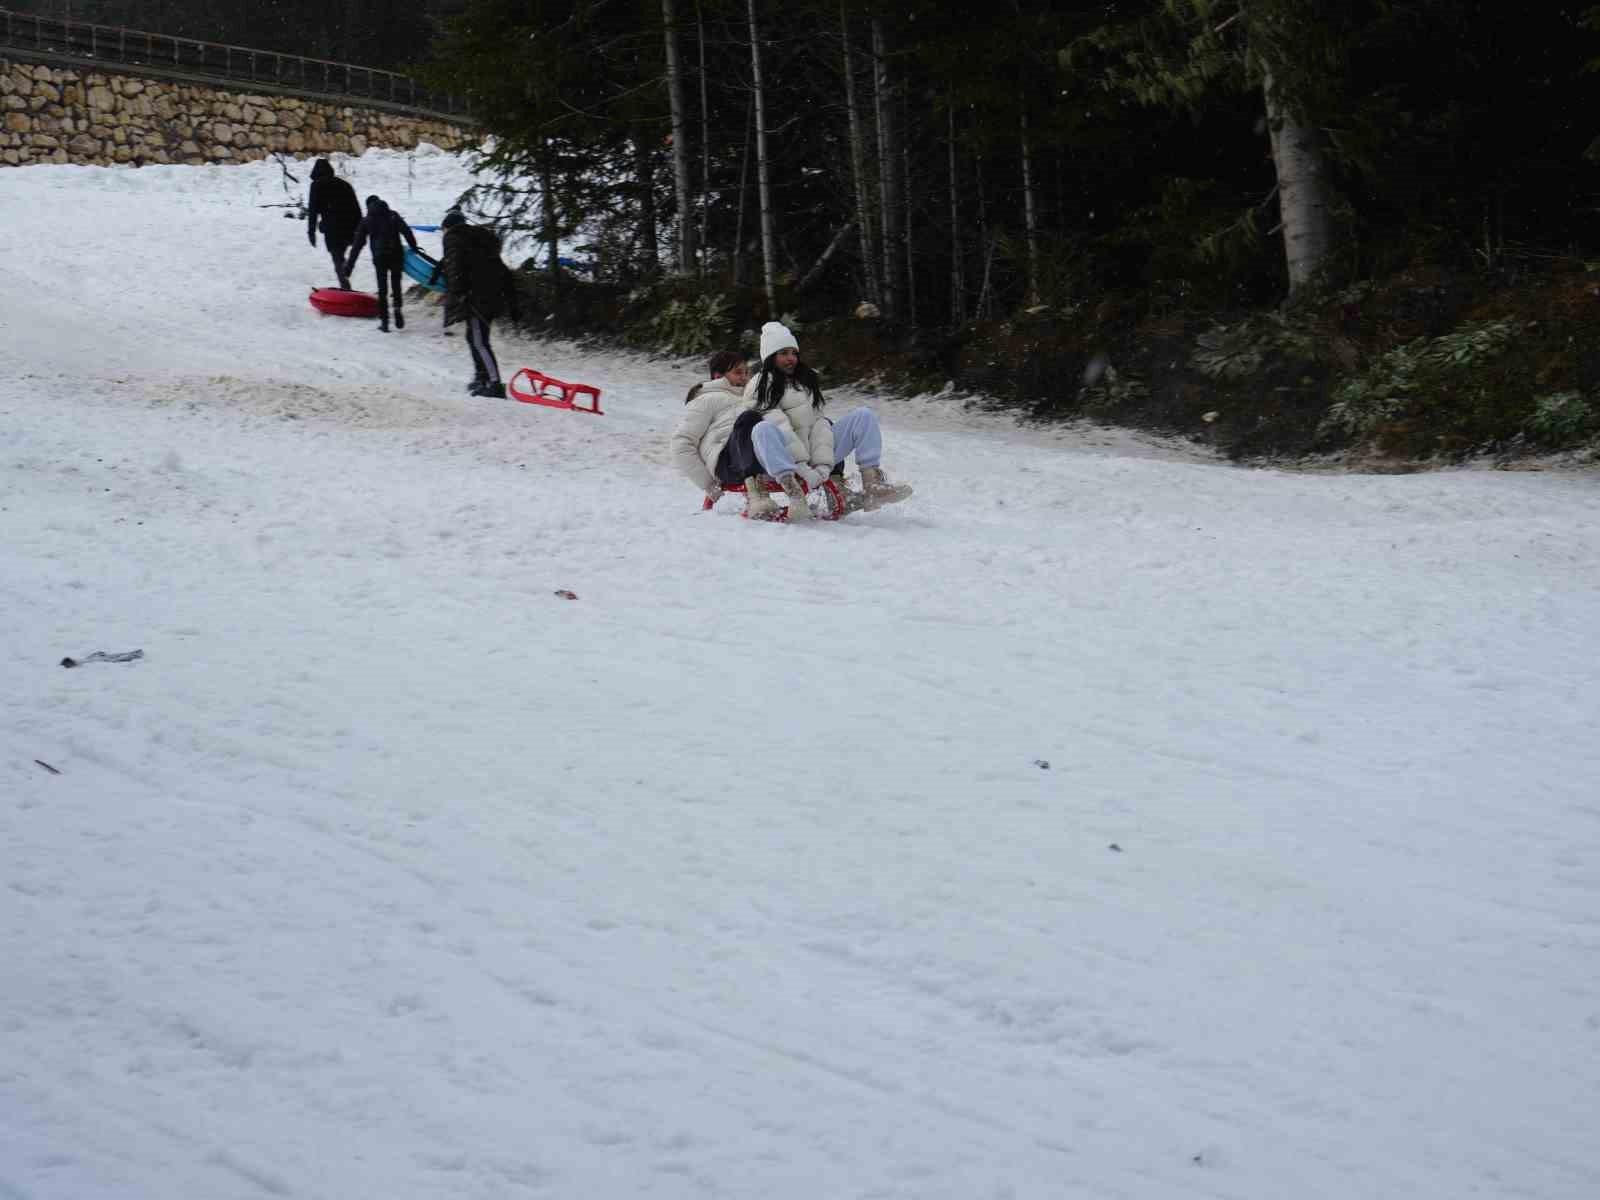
[390,873]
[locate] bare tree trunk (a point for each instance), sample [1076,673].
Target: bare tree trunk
[650,245]
[1030,209]
[985,241]
[1304,194]
[547,214]
[763,174]
[958,283]
[905,224]
[744,191]
[858,168]
[888,171]
[705,146]
[815,273]
[680,143]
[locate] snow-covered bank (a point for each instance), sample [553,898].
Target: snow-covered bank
[390,872]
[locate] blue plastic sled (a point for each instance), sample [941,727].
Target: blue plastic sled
[419,266]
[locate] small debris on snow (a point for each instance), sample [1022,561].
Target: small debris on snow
[566,595]
[102,656]
[1042,763]
[1115,847]
[47,766]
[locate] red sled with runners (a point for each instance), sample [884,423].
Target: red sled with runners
[832,494]
[535,387]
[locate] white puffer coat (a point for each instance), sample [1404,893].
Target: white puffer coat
[704,430]
[808,432]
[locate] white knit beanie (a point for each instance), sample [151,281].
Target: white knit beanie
[775,336]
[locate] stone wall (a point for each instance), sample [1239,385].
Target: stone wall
[67,114]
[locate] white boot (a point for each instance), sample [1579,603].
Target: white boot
[758,506]
[799,510]
[876,491]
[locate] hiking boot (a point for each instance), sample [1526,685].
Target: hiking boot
[876,491]
[758,506]
[383,325]
[476,385]
[849,500]
[799,510]
[399,319]
[492,391]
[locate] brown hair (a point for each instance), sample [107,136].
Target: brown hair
[722,362]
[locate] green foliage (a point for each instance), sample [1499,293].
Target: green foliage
[688,325]
[1241,350]
[1421,371]
[1561,418]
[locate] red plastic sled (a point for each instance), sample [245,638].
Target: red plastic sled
[830,490]
[337,302]
[535,387]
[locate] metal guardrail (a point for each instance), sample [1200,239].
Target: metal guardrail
[112,46]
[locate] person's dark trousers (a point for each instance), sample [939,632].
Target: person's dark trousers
[738,460]
[389,275]
[484,365]
[337,252]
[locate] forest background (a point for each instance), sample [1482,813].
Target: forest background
[1357,232]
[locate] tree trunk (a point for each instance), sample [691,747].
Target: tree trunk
[985,242]
[680,144]
[905,224]
[858,170]
[1030,211]
[547,215]
[705,146]
[888,172]
[744,192]
[649,243]
[958,283]
[1304,193]
[815,273]
[763,173]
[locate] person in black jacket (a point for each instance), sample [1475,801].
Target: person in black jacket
[382,228]
[478,288]
[333,201]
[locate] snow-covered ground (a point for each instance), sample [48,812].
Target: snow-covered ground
[388,872]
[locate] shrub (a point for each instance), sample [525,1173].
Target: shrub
[1560,418]
[1239,351]
[1420,370]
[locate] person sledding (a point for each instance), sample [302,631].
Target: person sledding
[722,441]
[478,288]
[793,439]
[382,229]
[700,442]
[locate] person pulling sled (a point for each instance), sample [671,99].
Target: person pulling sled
[478,288]
[332,202]
[383,229]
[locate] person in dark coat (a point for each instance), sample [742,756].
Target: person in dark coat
[333,202]
[478,288]
[383,228]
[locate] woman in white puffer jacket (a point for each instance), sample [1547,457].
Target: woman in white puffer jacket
[806,444]
[710,410]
